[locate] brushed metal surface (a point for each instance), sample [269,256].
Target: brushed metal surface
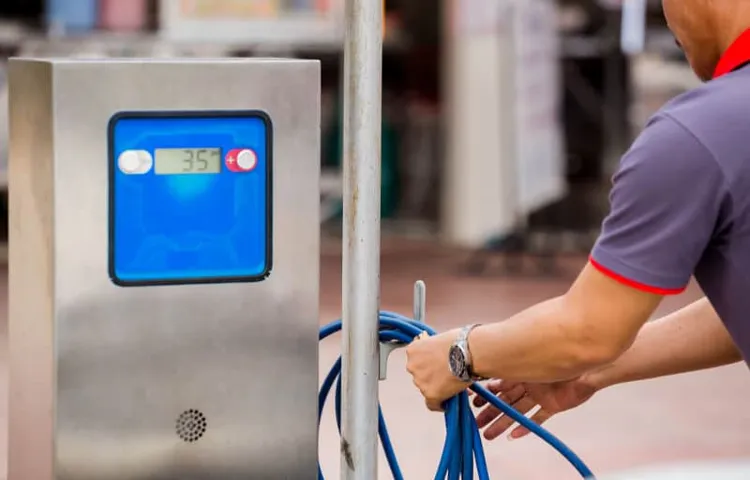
[101,373]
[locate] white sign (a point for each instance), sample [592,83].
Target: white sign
[633,28]
[540,155]
[253,21]
[476,17]
[3,126]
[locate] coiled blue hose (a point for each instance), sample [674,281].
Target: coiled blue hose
[463,450]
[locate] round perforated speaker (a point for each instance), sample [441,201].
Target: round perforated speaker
[191,425]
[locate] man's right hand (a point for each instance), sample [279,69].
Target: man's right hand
[553,398]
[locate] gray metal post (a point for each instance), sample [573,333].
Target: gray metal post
[361,238]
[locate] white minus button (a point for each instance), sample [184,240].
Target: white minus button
[135,162]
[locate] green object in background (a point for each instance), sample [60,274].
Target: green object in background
[389,184]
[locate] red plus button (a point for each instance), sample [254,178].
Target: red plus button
[241,160]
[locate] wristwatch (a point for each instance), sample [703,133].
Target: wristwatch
[459,356]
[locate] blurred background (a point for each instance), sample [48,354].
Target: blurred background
[503,121]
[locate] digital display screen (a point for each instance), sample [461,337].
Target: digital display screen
[175,161]
[170,225]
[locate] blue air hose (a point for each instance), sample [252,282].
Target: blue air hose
[463,450]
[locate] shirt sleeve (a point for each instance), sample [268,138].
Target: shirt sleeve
[665,204]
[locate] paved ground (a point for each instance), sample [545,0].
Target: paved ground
[697,416]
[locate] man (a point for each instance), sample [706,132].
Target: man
[680,207]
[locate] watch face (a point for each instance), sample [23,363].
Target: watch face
[456,360]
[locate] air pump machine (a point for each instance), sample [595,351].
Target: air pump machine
[164,277]
[164,269]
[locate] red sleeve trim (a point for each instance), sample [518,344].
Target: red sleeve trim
[633,283]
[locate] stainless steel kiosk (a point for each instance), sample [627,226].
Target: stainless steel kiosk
[164,269]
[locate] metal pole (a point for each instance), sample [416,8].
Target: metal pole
[361,238]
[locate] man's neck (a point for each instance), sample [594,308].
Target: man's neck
[733,25]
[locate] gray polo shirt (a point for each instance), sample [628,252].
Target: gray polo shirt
[680,202]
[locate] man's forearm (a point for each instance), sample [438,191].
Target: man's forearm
[544,343]
[690,339]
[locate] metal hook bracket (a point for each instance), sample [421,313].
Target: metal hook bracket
[386,348]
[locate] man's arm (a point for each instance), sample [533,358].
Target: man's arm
[690,339]
[587,328]
[668,201]
[687,340]
[595,322]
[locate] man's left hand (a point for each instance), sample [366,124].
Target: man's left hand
[427,362]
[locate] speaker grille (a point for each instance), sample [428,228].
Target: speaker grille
[191,425]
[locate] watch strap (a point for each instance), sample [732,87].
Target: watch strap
[463,342]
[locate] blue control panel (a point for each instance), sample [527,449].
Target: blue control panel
[189,197]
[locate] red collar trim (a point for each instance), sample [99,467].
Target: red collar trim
[737,54]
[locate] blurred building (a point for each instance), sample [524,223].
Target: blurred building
[488,134]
